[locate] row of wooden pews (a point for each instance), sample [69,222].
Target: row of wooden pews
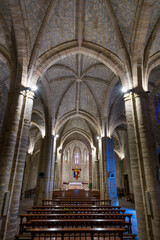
[69,219]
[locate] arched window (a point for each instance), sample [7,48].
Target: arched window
[76,158]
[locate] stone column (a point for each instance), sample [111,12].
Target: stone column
[127,165]
[14,152]
[9,139]
[90,165]
[101,170]
[43,190]
[26,173]
[109,169]
[57,179]
[143,165]
[52,169]
[94,171]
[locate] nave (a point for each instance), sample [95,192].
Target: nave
[76,217]
[80,105]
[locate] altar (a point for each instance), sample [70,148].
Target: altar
[75,185]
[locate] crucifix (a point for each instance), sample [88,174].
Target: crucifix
[76,172]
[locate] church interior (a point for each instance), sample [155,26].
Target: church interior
[79,119]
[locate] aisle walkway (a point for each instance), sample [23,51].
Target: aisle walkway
[130,208]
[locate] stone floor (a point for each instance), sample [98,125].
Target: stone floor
[130,208]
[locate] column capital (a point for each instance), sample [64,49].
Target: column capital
[49,137]
[105,138]
[25,91]
[30,94]
[134,94]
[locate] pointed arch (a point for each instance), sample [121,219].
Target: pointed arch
[101,54]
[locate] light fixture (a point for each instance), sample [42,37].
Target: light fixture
[34,88]
[124,89]
[57,136]
[98,137]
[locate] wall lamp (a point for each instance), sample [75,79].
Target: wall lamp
[125,90]
[33,88]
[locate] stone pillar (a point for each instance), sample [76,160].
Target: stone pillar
[26,173]
[52,169]
[13,159]
[8,139]
[109,169]
[127,166]
[143,165]
[94,171]
[58,177]
[45,174]
[90,168]
[101,172]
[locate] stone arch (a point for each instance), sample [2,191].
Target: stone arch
[103,55]
[80,131]
[40,129]
[153,62]
[81,114]
[120,119]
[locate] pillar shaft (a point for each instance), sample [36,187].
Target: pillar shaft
[58,170]
[94,171]
[9,140]
[101,171]
[52,169]
[14,154]
[27,170]
[105,168]
[109,169]
[143,165]
[127,165]
[45,174]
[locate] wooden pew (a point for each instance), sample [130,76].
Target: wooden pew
[89,233]
[24,218]
[75,199]
[74,202]
[76,206]
[72,223]
[81,223]
[76,211]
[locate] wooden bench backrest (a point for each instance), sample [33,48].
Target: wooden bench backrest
[76,206]
[76,211]
[116,233]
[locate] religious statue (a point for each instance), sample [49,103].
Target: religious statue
[76,172]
